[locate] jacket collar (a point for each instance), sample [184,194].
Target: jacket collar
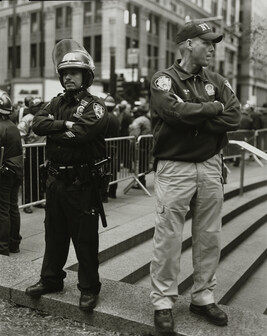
[184,75]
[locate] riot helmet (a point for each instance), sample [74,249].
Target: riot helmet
[69,54]
[5,103]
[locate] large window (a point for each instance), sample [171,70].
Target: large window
[135,17]
[87,44]
[87,19]
[152,24]
[34,22]
[18,63]
[63,17]
[10,26]
[59,18]
[98,11]
[68,20]
[171,31]
[98,48]
[33,55]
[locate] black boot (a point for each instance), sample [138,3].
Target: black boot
[211,312]
[88,301]
[40,289]
[163,321]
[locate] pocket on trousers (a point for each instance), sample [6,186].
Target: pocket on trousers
[161,166]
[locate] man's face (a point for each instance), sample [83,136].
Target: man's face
[72,79]
[202,51]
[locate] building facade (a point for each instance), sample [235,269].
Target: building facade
[133,38]
[252,66]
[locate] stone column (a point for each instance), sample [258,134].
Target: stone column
[162,42]
[49,28]
[25,45]
[113,35]
[77,21]
[3,50]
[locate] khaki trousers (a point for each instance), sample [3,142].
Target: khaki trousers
[180,186]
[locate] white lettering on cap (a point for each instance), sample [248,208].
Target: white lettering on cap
[204,26]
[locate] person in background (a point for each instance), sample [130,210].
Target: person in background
[192,109]
[141,125]
[24,109]
[124,117]
[74,123]
[11,173]
[113,131]
[34,157]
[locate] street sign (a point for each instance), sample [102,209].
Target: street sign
[132,56]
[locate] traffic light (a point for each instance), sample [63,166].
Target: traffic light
[144,87]
[119,85]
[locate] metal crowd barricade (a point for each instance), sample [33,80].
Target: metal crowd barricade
[32,191]
[261,139]
[121,150]
[131,158]
[143,160]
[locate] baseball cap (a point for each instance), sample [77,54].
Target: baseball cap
[202,30]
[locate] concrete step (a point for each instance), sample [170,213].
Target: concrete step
[253,294]
[121,238]
[140,255]
[237,266]
[122,307]
[236,231]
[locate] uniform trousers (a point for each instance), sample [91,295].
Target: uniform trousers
[9,213]
[180,186]
[71,213]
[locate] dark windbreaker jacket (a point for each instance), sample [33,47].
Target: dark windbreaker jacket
[188,120]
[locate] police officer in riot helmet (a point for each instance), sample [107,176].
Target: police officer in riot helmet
[11,172]
[74,123]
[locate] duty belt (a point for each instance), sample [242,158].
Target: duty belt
[55,169]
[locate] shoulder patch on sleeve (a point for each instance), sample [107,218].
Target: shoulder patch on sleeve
[99,110]
[163,83]
[226,83]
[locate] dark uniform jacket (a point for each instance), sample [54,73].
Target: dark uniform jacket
[84,142]
[187,124]
[11,141]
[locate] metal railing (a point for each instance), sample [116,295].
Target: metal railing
[32,191]
[131,159]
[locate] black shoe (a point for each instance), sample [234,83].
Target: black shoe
[14,249]
[163,321]
[88,301]
[28,210]
[40,289]
[211,312]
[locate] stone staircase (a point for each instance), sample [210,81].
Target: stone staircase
[125,251]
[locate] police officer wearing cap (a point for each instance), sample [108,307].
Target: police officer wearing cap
[192,108]
[75,124]
[11,173]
